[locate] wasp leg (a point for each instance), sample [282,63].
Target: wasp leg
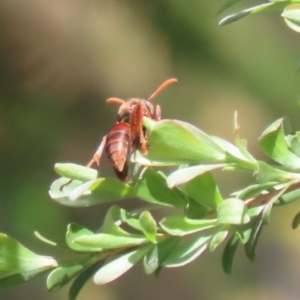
[96,159]
[98,153]
[138,140]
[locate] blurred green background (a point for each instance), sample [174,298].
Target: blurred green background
[60,61]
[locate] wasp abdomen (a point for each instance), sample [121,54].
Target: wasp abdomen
[117,145]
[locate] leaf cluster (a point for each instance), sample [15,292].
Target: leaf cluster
[199,218]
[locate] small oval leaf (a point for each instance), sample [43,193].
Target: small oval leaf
[45,240]
[294,143]
[232,211]
[153,259]
[100,241]
[229,252]
[76,172]
[296,221]
[187,252]
[18,264]
[275,146]
[183,141]
[250,246]
[217,239]
[234,17]
[155,159]
[179,225]
[153,188]
[74,231]
[148,226]
[262,8]
[204,190]
[186,174]
[116,267]
[61,276]
[112,222]
[266,173]
[291,16]
[78,194]
[81,280]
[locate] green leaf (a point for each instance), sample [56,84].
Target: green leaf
[262,8]
[43,239]
[153,188]
[187,252]
[217,239]
[243,232]
[289,197]
[112,220]
[155,159]
[153,259]
[130,220]
[275,146]
[74,231]
[234,17]
[92,192]
[267,209]
[100,241]
[105,189]
[116,216]
[195,210]
[116,267]
[294,143]
[266,173]
[149,123]
[63,275]
[254,211]
[204,190]
[253,190]
[232,211]
[234,155]
[186,174]
[229,252]
[81,280]
[250,247]
[18,264]
[296,221]
[291,16]
[148,225]
[60,194]
[182,141]
[179,225]
[74,171]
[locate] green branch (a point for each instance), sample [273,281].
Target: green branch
[199,218]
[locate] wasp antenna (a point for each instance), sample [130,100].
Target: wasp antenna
[115,100]
[162,87]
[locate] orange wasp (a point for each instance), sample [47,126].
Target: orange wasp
[129,134]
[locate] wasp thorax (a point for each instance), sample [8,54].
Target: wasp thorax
[126,109]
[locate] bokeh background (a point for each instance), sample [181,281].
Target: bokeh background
[60,61]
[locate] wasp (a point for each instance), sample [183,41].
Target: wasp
[129,134]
